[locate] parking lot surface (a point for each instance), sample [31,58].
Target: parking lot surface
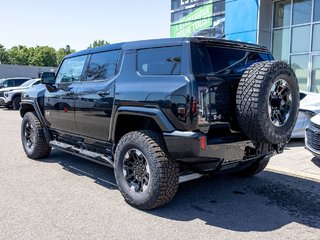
[66,197]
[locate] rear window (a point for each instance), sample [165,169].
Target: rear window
[159,61]
[217,60]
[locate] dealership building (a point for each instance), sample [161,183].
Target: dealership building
[289,28]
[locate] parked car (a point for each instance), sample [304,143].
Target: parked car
[12,82]
[155,110]
[12,96]
[312,140]
[309,107]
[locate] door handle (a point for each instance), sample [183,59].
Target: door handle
[103,93]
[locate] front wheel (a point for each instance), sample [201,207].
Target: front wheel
[147,178]
[16,103]
[33,140]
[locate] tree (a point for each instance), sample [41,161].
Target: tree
[99,43]
[44,56]
[19,55]
[3,55]
[62,52]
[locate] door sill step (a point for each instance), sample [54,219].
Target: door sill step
[92,156]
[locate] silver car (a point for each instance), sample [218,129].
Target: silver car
[309,107]
[312,140]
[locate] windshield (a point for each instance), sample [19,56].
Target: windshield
[211,60]
[27,83]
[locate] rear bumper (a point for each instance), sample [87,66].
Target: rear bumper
[188,147]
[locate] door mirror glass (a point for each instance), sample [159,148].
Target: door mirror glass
[48,78]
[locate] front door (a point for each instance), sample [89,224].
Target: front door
[95,96]
[59,100]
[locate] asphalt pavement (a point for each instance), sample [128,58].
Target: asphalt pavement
[66,197]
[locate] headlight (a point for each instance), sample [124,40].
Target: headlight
[6,95]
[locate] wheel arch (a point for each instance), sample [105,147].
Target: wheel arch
[140,118]
[16,95]
[33,106]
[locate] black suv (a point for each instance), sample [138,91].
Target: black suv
[155,110]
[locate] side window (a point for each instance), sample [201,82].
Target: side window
[22,81]
[102,66]
[159,61]
[71,69]
[36,83]
[10,83]
[6,84]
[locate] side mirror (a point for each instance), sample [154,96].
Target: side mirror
[48,78]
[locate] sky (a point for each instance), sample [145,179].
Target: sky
[57,23]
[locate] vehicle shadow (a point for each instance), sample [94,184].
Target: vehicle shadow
[101,175]
[295,143]
[316,161]
[266,202]
[262,203]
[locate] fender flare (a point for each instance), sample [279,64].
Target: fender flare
[37,109]
[154,113]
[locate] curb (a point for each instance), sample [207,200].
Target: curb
[294,173]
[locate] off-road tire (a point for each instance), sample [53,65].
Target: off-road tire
[8,106]
[164,171]
[16,103]
[253,169]
[253,97]
[40,148]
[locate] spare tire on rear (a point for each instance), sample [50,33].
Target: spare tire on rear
[268,102]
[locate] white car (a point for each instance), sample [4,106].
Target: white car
[312,140]
[309,107]
[12,96]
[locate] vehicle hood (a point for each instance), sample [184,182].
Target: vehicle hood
[316,119]
[9,89]
[311,102]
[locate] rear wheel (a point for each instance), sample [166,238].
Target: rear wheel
[147,178]
[33,139]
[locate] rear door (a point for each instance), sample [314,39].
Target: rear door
[95,96]
[59,101]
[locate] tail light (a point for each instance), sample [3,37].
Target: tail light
[203,143]
[194,105]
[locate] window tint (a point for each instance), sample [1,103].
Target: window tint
[102,65]
[214,60]
[160,61]
[71,69]
[11,83]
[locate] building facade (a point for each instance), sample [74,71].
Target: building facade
[289,28]
[8,71]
